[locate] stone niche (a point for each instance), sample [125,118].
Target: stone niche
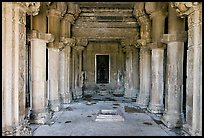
[116,67]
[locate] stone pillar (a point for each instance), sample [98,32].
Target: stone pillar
[54,16]
[38,40]
[136,79]
[68,42]
[156,96]
[73,77]
[173,115]
[15,119]
[79,81]
[145,78]
[61,74]
[157,14]
[129,89]
[194,64]
[145,54]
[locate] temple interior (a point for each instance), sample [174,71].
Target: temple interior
[102,68]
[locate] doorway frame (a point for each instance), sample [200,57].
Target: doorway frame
[108,68]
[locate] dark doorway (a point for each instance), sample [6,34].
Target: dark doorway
[102,68]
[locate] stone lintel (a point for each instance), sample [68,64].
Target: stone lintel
[182,37]
[68,41]
[157,45]
[39,35]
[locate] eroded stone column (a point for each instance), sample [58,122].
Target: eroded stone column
[38,40]
[173,115]
[145,78]
[157,14]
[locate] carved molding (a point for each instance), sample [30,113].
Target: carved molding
[73,9]
[182,37]
[185,8]
[32,8]
[39,35]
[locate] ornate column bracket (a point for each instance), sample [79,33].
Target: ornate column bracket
[59,6]
[185,8]
[182,37]
[32,8]
[39,35]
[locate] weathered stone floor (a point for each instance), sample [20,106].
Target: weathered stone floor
[78,119]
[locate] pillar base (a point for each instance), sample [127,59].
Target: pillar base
[142,101]
[22,130]
[54,105]
[39,117]
[78,93]
[172,120]
[131,93]
[155,108]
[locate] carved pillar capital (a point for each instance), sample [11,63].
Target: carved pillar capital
[156,45]
[32,8]
[69,18]
[54,12]
[156,9]
[39,35]
[68,41]
[185,8]
[56,45]
[73,9]
[79,48]
[166,38]
[82,41]
[59,6]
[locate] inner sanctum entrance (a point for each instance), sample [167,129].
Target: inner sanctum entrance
[102,68]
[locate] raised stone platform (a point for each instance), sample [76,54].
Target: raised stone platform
[109,115]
